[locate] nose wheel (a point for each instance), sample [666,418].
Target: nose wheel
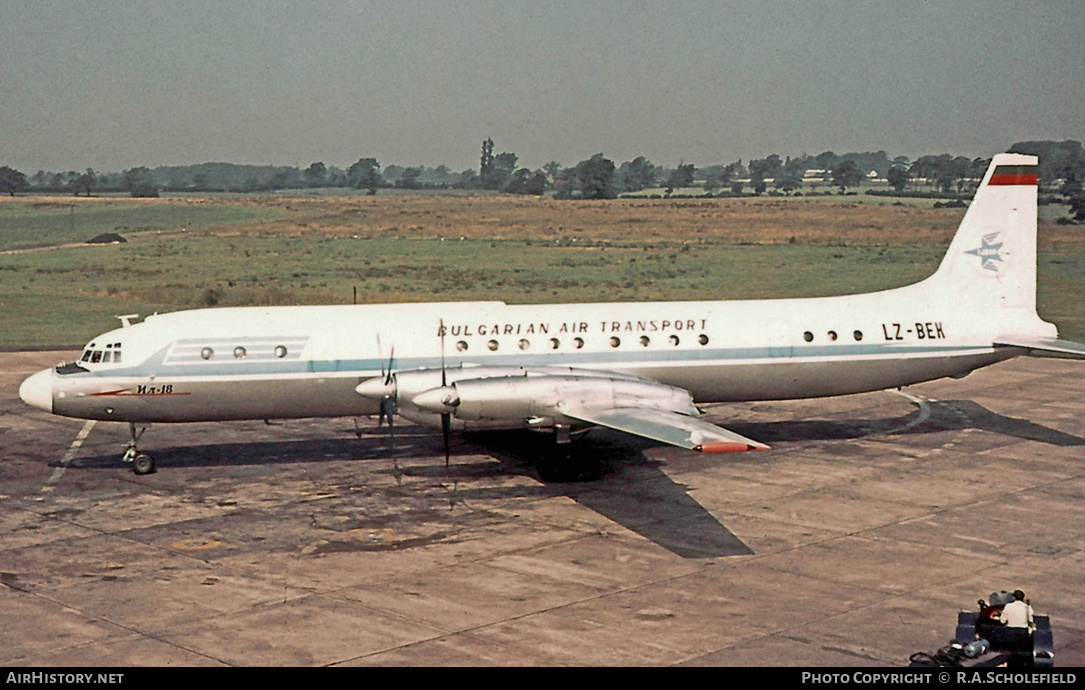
[141,462]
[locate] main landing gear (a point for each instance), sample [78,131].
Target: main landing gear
[141,462]
[559,462]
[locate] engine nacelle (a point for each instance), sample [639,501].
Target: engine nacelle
[479,398]
[525,397]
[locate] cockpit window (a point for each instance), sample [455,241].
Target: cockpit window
[111,354]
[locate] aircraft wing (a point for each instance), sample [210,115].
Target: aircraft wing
[669,427]
[1045,347]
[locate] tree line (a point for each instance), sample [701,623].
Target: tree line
[1061,170]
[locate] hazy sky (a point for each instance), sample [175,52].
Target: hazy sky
[122,83]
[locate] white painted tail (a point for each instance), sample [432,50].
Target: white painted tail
[989,269]
[992,258]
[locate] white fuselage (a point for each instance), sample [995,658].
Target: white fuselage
[307,361]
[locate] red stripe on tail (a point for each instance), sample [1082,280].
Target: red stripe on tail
[1014,179]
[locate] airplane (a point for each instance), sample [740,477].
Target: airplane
[642,368]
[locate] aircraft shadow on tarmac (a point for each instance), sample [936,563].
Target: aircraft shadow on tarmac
[619,481]
[945,415]
[623,485]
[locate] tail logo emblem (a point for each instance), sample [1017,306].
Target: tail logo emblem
[989,252]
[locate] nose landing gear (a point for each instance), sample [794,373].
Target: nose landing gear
[141,462]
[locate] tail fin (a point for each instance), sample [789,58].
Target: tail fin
[989,269]
[992,259]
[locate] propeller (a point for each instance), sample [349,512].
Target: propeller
[388,401]
[446,420]
[446,417]
[388,405]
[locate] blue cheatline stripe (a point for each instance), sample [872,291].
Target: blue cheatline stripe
[156,366]
[190,351]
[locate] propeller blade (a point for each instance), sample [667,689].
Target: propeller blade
[391,361]
[388,408]
[446,425]
[388,411]
[441,332]
[446,417]
[380,357]
[386,374]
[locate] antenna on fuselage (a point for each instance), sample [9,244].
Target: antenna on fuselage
[126,320]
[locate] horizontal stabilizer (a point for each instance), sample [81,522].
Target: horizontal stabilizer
[1046,347]
[669,427]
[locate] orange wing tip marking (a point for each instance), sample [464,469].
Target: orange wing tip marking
[727,447]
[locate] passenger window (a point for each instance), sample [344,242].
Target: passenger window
[703,339]
[644,340]
[461,345]
[673,340]
[808,336]
[578,342]
[615,341]
[554,343]
[524,344]
[492,344]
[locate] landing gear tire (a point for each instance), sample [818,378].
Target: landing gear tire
[143,464]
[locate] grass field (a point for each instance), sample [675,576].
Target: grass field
[188,252]
[42,222]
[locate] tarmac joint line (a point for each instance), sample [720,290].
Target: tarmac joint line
[67,459]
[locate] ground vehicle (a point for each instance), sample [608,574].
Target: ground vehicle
[1024,648]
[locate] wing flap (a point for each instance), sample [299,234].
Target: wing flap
[669,427]
[1045,347]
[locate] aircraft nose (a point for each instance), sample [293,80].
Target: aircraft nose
[38,390]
